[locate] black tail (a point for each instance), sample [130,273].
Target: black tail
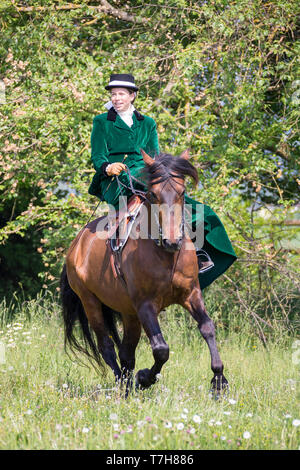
[73,311]
[110,317]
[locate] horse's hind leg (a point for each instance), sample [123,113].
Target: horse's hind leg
[131,336]
[195,305]
[93,310]
[148,317]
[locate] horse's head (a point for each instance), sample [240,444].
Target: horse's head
[166,188]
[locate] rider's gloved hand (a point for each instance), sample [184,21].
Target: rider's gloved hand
[115,168]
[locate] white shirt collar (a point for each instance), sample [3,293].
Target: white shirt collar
[125,115]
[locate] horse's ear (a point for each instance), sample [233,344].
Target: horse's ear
[147,159]
[185,154]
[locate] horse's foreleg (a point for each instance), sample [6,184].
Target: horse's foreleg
[148,317]
[196,307]
[132,333]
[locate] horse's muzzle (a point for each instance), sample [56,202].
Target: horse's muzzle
[171,246]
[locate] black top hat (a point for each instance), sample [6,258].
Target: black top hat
[123,80]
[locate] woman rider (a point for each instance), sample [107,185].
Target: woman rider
[117,137]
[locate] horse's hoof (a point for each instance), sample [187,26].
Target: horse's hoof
[143,379]
[219,387]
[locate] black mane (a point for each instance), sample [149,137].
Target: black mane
[167,166]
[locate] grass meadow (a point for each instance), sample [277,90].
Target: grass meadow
[50,402]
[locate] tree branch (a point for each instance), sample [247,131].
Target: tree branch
[107,8]
[104,7]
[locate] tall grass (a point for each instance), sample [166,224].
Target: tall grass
[50,402]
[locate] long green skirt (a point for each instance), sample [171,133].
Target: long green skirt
[215,239]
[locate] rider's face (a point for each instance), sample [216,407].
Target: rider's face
[121,99]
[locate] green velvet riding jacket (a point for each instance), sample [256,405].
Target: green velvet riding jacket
[112,139]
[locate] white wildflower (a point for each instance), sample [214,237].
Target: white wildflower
[197,419]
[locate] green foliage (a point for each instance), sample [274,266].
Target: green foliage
[218,77]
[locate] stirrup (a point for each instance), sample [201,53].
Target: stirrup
[204,265]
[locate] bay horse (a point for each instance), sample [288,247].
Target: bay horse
[156,276]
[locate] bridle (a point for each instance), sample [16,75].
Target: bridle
[166,178]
